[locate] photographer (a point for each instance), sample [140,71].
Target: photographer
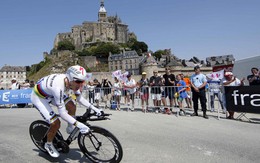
[254,78]
[106,87]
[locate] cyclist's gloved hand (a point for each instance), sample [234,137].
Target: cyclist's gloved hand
[83,128]
[99,112]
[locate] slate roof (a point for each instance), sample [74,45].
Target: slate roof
[13,69]
[125,55]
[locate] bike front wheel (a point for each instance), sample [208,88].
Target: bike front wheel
[100,145]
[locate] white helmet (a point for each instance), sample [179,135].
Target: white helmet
[76,73]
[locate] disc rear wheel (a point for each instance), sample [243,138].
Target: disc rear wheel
[38,133]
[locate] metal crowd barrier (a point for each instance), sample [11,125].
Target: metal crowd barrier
[104,98]
[216,95]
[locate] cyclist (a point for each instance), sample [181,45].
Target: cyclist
[51,89]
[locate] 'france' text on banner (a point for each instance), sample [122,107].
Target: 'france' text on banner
[15,96]
[243,99]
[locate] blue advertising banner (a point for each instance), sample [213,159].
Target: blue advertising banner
[15,96]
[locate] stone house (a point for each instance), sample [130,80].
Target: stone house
[125,61]
[7,73]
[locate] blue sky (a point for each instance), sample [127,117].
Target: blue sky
[190,28]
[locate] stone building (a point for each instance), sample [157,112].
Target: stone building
[148,65]
[106,29]
[220,60]
[7,73]
[125,61]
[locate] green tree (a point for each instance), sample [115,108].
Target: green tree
[158,54]
[84,52]
[65,45]
[140,47]
[104,48]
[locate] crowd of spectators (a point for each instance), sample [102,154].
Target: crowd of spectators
[169,91]
[166,91]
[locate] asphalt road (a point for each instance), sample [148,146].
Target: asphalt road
[146,138]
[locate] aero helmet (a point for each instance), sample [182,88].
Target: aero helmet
[76,73]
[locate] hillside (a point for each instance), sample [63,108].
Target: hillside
[55,63]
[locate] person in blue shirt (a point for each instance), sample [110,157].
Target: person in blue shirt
[198,83]
[182,94]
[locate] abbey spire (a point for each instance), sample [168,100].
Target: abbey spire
[102,13]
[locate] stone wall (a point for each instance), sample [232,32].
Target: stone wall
[90,61]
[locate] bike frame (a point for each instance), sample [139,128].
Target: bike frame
[86,117]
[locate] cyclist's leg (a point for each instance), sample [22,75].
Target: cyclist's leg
[49,115]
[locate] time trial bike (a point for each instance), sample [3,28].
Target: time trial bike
[98,145]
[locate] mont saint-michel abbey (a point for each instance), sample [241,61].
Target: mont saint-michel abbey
[106,29]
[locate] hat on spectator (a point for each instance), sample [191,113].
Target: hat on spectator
[129,74]
[228,73]
[14,79]
[144,73]
[197,67]
[155,71]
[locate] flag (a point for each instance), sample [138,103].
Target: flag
[123,77]
[88,76]
[116,73]
[216,75]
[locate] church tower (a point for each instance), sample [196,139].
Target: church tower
[102,13]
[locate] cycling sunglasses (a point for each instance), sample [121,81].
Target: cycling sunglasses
[79,81]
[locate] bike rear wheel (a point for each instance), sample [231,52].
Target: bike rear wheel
[100,146]
[38,132]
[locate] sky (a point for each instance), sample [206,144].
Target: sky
[200,28]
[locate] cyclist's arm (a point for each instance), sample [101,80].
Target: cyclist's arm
[85,102]
[58,96]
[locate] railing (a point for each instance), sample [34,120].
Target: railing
[155,98]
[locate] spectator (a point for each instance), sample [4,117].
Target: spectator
[106,87]
[156,83]
[25,85]
[91,94]
[144,91]
[32,84]
[187,82]
[15,85]
[214,90]
[97,91]
[254,78]
[169,90]
[198,83]
[130,86]
[230,80]
[117,87]
[182,94]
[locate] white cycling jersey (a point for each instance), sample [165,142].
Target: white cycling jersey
[52,89]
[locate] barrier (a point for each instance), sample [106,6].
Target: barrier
[214,94]
[106,97]
[21,96]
